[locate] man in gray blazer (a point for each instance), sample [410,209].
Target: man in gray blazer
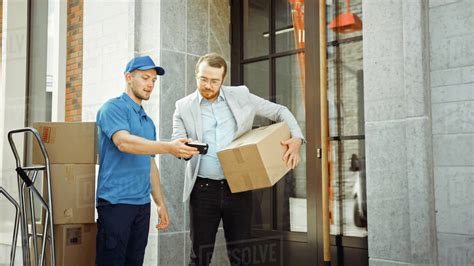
[216,115]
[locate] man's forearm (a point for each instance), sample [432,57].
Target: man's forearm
[289,118]
[278,113]
[138,145]
[156,193]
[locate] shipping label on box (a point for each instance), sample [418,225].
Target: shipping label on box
[74,245]
[66,142]
[73,236]
[254,160]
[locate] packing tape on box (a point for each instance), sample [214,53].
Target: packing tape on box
[238,156]
[247,180]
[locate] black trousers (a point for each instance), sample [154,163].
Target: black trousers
[210,202]
[122,233]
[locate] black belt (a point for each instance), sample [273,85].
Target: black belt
[208,180]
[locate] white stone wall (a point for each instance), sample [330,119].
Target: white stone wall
[12,113]
[419,96]
[147,42]
[108,44]
[401,219]
[451,27]
[114,32]
[188,30]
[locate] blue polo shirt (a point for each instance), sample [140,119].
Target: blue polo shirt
[123,177]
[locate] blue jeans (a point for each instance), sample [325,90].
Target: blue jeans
[211,201]
[122,233]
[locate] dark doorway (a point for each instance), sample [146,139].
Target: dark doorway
[275,52]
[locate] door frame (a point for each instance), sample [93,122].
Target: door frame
[303,248]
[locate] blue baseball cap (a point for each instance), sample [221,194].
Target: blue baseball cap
[143,63]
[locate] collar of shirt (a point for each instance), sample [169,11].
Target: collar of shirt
[221,97]
[136,107]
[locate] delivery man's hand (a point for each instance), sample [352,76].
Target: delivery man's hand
[163,215]
[180,150]
[292,155]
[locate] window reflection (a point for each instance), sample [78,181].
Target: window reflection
[348,209]
[291,206]
[348,195]
[289,25]
[256,78]
[255,24]
[336,8]
[346,89]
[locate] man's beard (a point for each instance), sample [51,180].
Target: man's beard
[212,94]
[139,96]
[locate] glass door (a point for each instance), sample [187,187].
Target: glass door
[275,52]
[348,205]
[268,56]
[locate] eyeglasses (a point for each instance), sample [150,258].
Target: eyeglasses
[213,82]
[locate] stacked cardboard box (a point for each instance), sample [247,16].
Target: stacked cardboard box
[75,244]
[72,153]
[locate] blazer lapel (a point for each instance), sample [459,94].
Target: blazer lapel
[234,107]
[196,113]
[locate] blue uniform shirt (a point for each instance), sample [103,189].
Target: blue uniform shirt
[123,177]
[219,127]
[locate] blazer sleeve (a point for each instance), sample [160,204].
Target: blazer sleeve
[179,131]
[276,112]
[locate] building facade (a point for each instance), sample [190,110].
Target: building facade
[400,98]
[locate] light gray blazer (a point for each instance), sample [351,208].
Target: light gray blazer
[244,106]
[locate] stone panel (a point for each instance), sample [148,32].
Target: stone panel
[453,117]
[172,88]
[453,93]
[454,188]
[455,250]
[173,25]
[197,27]
[171,248]
[453,150]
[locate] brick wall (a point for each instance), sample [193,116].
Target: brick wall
[74,60]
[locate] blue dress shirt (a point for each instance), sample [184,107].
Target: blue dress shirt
[219,128]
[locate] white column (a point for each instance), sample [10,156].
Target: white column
[58,62]
[12,104]
[108,44]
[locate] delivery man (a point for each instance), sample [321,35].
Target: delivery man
[127,169]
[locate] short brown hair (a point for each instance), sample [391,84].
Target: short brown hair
[213,60]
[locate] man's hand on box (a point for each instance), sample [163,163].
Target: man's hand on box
[292,155]
[163,215]
[180,150]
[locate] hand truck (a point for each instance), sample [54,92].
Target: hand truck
[27,193]
[17,220]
